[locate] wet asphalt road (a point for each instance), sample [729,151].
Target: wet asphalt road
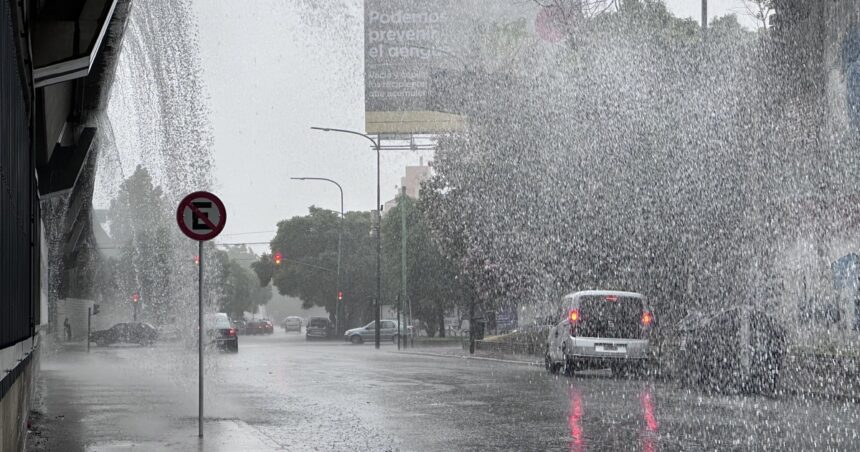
[302,396]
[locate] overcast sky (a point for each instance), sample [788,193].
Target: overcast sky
[275,70]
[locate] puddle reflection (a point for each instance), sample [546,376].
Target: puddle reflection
[648,430]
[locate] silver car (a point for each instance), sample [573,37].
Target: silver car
[293,323]
[598,329]
[388,332]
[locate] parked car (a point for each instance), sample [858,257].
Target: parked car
[389,332]
[128,333]
[221,332]
[293,323]
[737,349]
[599,329]
[319,328]
[262,326]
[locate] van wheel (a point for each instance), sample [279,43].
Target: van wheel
[550,366]
[395,339]
[569,367]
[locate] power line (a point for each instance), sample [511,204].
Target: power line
[250,233]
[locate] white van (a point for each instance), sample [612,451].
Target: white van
[598,329]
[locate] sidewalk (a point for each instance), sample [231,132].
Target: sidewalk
[100,402]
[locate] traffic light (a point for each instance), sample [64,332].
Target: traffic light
[135,297]
[95,309]
[278,258]
[339,296]
[196,260]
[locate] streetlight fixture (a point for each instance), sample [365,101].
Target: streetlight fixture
[378,224]
[339,244]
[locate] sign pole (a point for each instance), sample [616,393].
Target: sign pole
[201,216]
[200,339]
[89,327]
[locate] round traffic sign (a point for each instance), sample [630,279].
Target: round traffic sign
[201,216]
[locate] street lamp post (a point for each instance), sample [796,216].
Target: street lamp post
[378,224]
[339,247]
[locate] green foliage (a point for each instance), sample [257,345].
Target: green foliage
[434,284]
[308,271]
[309,268]
[236,284]
[139,219]
[239,291]
[263,268]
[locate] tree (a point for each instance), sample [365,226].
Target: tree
[434,284]
[138,222]
[640,167]
[308,246]
[239,291]
[760,10]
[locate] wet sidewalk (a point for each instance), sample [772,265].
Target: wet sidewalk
[101,402]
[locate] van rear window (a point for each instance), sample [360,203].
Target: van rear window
[610,317]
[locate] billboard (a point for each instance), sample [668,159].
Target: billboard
[412,45]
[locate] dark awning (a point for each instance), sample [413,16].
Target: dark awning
[66,42]
[59,176]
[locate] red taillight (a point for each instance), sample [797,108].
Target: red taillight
[573,317]
[231,332]
[647,318]
[611,298]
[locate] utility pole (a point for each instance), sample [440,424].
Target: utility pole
[472,324]
[378,209]
[402,258]
[704,17]
[337,307]
[89,326]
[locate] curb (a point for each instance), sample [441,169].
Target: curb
[478,358]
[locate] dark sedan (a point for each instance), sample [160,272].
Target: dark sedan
[737,349]
[259,327]
[125,333]
[222,333]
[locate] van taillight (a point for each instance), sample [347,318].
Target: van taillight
[647,318]
[573,317]
[231,332]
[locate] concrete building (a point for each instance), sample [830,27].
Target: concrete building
[57,59]
[411,181]
[414,177]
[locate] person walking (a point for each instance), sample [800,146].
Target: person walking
[67,329]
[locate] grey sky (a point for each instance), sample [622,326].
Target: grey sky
[273,71]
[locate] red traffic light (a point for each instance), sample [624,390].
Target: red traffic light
[339,296]
[196,260]
[278,258]
[135,297]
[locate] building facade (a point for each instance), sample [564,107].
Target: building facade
[56,67]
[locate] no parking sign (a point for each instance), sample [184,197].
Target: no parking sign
[201,216]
